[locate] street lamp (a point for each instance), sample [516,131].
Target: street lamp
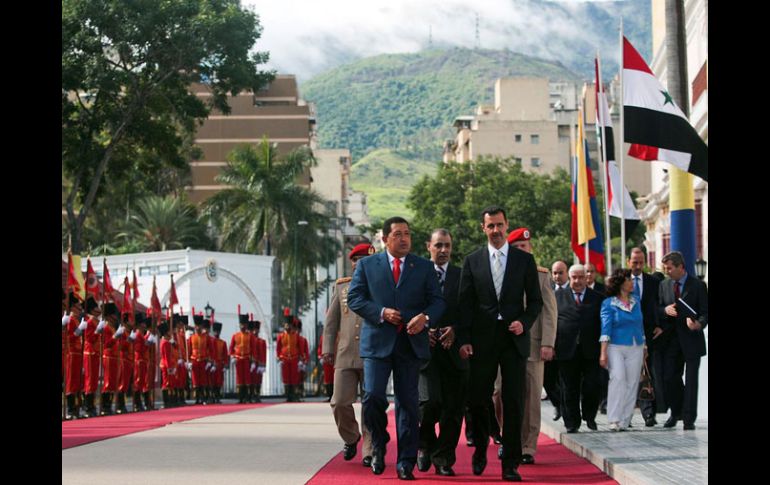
[700,268]
[208,311]
[296,264]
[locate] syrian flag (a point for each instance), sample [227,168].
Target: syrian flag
[606,135]
[653,124]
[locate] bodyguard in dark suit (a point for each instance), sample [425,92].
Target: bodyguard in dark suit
[577,350]
[444,380]
[398,296]
[495,332]
[682,339]
[646,291]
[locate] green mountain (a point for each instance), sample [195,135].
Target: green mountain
[387,176]
[395,111]
[409,101]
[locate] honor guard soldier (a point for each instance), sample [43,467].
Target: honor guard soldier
[198,346]
[304,358]
[251,397]
[141,341]
[288,352]
[91,356]
[328,370]
[125,364]
[168,362]
[220,361]
[261,361]
[340,345]
[110,356]
[180,381]
[152,366]
[211,367]
[74,341]
[241,356]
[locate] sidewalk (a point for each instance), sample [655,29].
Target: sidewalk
[640,456]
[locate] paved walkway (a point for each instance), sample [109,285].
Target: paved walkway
[640,456]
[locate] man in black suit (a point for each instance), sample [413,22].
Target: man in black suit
[495,325]
[577,349]
[646,291]
[683,342]
[604,374]
[444,380]
[591,279]
[551,369]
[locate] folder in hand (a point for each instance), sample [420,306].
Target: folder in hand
[685,310]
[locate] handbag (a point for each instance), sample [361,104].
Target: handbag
[646,391]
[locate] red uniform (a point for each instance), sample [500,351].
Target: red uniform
[220,360]
[181,371]
[289,350]
[91,356]
[110,360]
[126,362]
[198,345]
[152,364]
[74,376]
[141,358]
[261,359]
[168,360]
[241,347]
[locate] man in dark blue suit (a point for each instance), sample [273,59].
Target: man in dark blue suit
[398,296]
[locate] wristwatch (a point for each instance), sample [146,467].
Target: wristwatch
[427,319]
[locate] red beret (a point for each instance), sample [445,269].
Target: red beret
[520,234]
[363,249]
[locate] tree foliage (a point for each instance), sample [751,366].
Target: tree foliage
[161,224]
[127,68]
[455,197]
[260,211]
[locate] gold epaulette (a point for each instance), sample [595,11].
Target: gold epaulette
[542,270]
[343,280]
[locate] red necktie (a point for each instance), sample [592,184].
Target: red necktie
[676,290]
[577,298]
[396,275]
[396,270]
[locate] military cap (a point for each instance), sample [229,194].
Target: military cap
[163,328]
[198,320]
[363,249]
[243,318]
[110,309]
[520,234]
[217,327]
[91,305]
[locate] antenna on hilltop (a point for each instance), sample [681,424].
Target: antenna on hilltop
[478,37]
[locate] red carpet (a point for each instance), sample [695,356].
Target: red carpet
[555,464]
[83,431]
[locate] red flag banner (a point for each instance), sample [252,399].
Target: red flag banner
[107,282]
[135,286]
[92,282]
[73,284]
[172,299]
[154,301]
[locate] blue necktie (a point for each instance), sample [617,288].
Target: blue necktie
[637,292]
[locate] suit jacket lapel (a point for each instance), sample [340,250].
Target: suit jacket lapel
[383,261]
[406,269]
[486,271]
[507,271]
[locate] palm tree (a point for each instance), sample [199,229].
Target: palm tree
[162,223]
[260,210]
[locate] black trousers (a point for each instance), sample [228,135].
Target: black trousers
[579,376]
[513,368]
[682,397]
[551,383]
[443,390]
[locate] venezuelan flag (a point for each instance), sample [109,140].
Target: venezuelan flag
[586,223]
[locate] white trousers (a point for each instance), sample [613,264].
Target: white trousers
[625,366]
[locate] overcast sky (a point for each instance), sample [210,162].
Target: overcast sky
[305,37]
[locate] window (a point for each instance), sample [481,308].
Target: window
[534,139]
[517,160]
[535,162]
[517,138]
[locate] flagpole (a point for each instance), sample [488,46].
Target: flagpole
[622,149]
[603,154]
[573,158]
[582,142]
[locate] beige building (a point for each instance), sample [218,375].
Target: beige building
[275,112]
[655,214]
[531,121]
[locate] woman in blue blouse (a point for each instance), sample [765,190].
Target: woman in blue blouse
[622,342]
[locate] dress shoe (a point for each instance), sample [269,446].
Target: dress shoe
[670,422]
[349,450]
[591,423]
[572,430]
[469,442]
[650,422]
[479,463]
[689,426]
[556,414]
[378,462]
[527,459]
[510,474]
[405,474]
[423,461]
[498,439]
[614,427]
[367,461]
[445,471]
[500,453]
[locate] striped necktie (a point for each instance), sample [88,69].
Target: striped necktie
[440,274]
[497,273]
